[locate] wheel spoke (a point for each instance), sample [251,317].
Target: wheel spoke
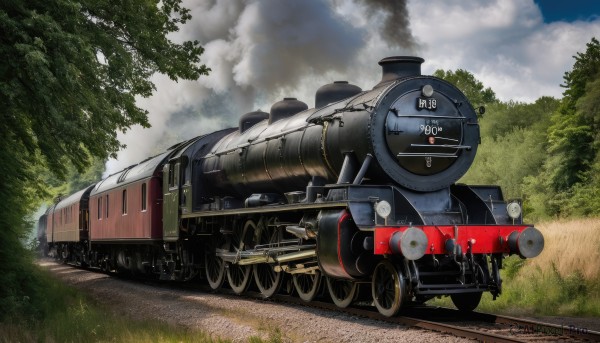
[267,280]
[342,292]
[238,275]
[215,266]
[307,285]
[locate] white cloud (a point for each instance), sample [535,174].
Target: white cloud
[505,44]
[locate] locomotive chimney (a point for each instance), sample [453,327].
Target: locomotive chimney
[397,67]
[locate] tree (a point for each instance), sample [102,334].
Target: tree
[468,84]
[573,135]
[69,76]
[503,117]
[71,71]
[585,69]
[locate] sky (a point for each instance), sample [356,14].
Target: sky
[261,51]
[572,10]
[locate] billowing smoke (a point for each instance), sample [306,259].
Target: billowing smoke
[261,51]
[395,29]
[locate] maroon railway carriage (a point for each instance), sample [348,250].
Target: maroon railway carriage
[67,230]
[126,216]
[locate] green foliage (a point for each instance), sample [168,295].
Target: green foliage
[74,180]
[571,147]
[468,84]
[71,71]
[275,336]
[506,161]
[582,199]
[513,151]
[18,198]
[511,267]
[573,136]
[585,70]
[503,117]
[69,76]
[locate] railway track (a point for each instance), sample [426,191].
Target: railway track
[439,319]
[479,326]
[515,324]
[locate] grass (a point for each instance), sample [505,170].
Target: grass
[563,280]
[73,317]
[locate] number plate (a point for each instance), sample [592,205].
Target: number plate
[426,104]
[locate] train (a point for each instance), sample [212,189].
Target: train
[357,198]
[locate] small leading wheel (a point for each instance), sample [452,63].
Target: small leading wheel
[307,285]
[342,292]
[388,289]
[466,302]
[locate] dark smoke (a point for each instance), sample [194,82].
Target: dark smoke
[396,28]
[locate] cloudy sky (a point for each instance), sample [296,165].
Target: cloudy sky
[263,50]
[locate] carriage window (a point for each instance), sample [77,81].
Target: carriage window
[124,205]
[99,208]
[143,196]
[106,205]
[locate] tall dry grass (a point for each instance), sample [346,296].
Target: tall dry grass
[572,246]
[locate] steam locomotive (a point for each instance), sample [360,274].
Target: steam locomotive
[357,193]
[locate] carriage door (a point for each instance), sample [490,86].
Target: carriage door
[171,181]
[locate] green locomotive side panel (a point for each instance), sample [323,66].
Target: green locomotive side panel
[171,201]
